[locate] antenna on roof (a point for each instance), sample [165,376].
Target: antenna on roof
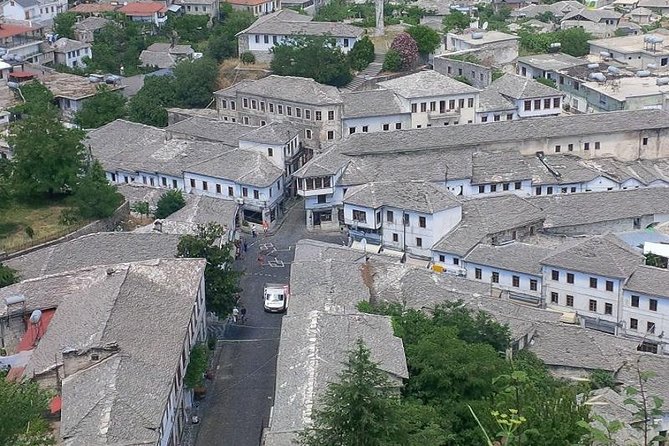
[485,26]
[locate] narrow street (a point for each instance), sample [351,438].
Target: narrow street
[238,403]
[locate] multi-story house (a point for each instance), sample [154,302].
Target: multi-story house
[407,217]
[37,11]
[84,30]
[314,108]
[281,26]
[24,42]
[71,53]
[152,12]
[546,65]
[645,304]
[435,99]
[638,51]
[598,22]
[200,7]
[374,111]
[256,7]
[490,47]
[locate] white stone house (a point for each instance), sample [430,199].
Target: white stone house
[33,10]
[71,53]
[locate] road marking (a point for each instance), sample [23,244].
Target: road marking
[276,263]
[249,340]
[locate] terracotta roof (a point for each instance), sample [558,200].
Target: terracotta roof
[9,30]
[248,2]
[143,8]
[88,8]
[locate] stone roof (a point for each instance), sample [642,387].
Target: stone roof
[604,255]
[184,50]
[641,11]
[91,23]
[241,166]
[593,15]
[482,217]
[427,83]
[64,45]
[102,248]
[273,133]
[559,169]
[490,100]
[362,104]
[462,136]
[596,207]
[206,129]
[518,257]
[293,24]
[290,88]
[521,87]
[157,59]
[558,9]
[423,197]
[498,167]
[649,280]
[327,163]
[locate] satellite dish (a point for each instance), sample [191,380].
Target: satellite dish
[485,25]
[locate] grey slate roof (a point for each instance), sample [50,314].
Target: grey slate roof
[205,129]
[604,255]
[518,257]
[413,195]
[158,59]
[273,133]
[491,100]
[498,167]
[593,15]
[311,354]
[482,217]
[328,163]
[427,83]
[183,50]
[569,169]
[521,87]
[595,207]
[102,248]
[559,9]
[91,23]
[242,166]
[290,88]
[462,136]
[290,24]
[64,45]
[649,280]
[360,104]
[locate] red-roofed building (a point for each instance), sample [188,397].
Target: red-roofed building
[23,41]
[34,332]
[146,12]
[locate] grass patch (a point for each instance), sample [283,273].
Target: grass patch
[43,218]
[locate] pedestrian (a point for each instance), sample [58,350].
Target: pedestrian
[243,313]
[265,227]
[245,246]
[254,232]
[261,260]
[235,314]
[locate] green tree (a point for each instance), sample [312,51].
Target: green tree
[197,366]
[358,409]
[103,108]
[36,99]
[22,408]
[573,41]
[188,28]
[656,260]
[456,21]
[7,276]
[247,57]
[63,24]
[221,281]
[547,17]
[392,61]
[426,38]
[222,43]
[94,196]
[194,82]
[316,57]
[548,82]
[48,157]
[362,54]
[148,105]
[169,202]
[141,207]
[117,46]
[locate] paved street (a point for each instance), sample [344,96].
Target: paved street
[238,404]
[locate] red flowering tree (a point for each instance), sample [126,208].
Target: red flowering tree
[407,47]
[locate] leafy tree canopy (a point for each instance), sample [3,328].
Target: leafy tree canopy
[148,105]
[426,38]
[221,281]
[407,48]
[195,81]
[197,366]
[169,202]
[94,196]
[63,24]
[392,61]
[222,42]
[36,100]
[117,45]
[103,108]
[456,21]
[7,276]
[22,408]
[573,41]
[362,54]
[315,57]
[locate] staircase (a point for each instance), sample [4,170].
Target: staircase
[372,70]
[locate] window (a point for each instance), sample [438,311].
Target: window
[556,102]
[495,277]
[537,104]
[256,195]
[609,285]
[505,186]
[360,216]
[224,104]
[245,192]
[319,116]
[593,282]
[517,185]
[493,188]
[557,148]
[266,38]
[307,133]
[271,108]
[421,222]
[279,109]
[274,40]
[423,107]
[289,110]
[245,103]
[554,297]
[398,126]
[652,304]
[645,141]
[495,118]
[470,102]
[174,184]
[192,183]
[270,151]
[433,106]
[538,190]
[230,191]
[555,275]
[570,147]
[573,189]
[330,134]
[419,242]
[634,324]
[456,261]
[515,280]
[597,146]
[608,308]
[396,238]
[570,278]
[322,199]
[414,108]
[442,258]
[307,114]
[481,189]
[345,43]
[592,305]
[533,284]
[407,220]
[547,103]
[549,190]
[570,300]
[650,327]
[478,273]
[635,301]
[365,129]
[351,130]
[586,146]
[254,104]
[484,119]
[509,116]
[330,115]
[386,127]
[451,104]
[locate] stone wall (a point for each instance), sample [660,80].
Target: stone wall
[480,76]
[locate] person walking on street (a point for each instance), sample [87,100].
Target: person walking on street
[235,315]
[242,311]
[245,246]
[254,232]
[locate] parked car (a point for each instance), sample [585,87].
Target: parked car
[275,297]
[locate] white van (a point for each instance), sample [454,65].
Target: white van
[275,297]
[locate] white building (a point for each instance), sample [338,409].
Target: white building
[598,22]
[636,51]
[546,65]
[435,99]
[33,10]
[490,47]
[256,7]
[374,111]
[645,304]
[153,12]
[71,53]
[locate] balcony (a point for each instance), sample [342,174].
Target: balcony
[438,114]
